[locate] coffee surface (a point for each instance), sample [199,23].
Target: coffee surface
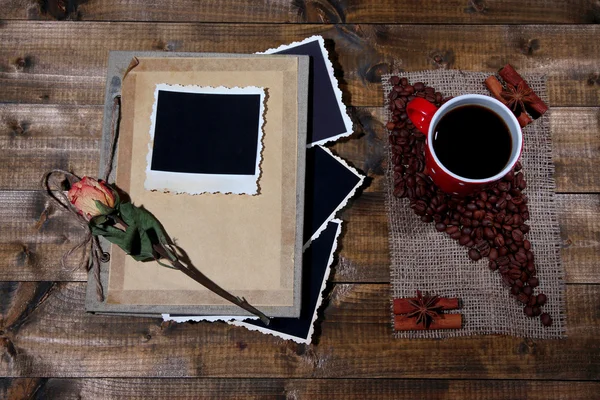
[472,142]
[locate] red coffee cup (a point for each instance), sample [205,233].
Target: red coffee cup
[425,116]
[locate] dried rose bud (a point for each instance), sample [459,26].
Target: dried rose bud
[85,193]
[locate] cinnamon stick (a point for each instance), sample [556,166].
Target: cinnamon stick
[445,321]
[495,88]
[403,306]
[537,107]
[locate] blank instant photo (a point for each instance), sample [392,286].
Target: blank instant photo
[205,139]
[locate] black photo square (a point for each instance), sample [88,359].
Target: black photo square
[205,139]
[205,133]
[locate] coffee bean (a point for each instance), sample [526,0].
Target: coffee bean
[503,260]
[403,81]
[492,265]
[519,283]
[455,235]
[527,290]
[488,233]
[515,290]
[536,311]
[530,256]
[419,86]
[533,282]
[517,235]
[503,186]
[493,254]
[528,311]
[474,254]
[499,240]
[515,274]
[464,239]
[440,226]
[451,229]
[532,301]
[523,298]
[400,191]
[479,233]
[541,299]
[546,319]
[484,247]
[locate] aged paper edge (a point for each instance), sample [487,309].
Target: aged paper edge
[205,318]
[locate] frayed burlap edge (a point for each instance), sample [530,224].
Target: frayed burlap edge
[422,258]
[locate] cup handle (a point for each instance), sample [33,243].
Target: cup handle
[420,112]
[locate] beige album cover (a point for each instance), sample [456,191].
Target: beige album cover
[250,244]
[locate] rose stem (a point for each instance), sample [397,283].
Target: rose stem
[537,107]
[444,321]
[495,87]
[403,306]
[202,279]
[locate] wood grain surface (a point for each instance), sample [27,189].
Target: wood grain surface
[326,389]
[65,62]
[53,57]
[313,11]
[55,337]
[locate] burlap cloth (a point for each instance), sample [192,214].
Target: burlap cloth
[424,259]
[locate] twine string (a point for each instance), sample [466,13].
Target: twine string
[93,254]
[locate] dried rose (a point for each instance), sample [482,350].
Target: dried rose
[87,193]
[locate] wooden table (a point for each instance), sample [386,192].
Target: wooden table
[53,57]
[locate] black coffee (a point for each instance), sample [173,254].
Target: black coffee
[472,142]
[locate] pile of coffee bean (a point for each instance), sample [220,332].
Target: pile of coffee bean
[490,223]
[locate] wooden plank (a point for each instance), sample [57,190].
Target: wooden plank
[319,11]
[31,250]
[61,62]
[40,137]
[576,147]
[314,389]
[575,141]
[365,254]
[59,339]
[37,138]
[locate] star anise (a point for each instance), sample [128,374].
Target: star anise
[425,309]
[517,96]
